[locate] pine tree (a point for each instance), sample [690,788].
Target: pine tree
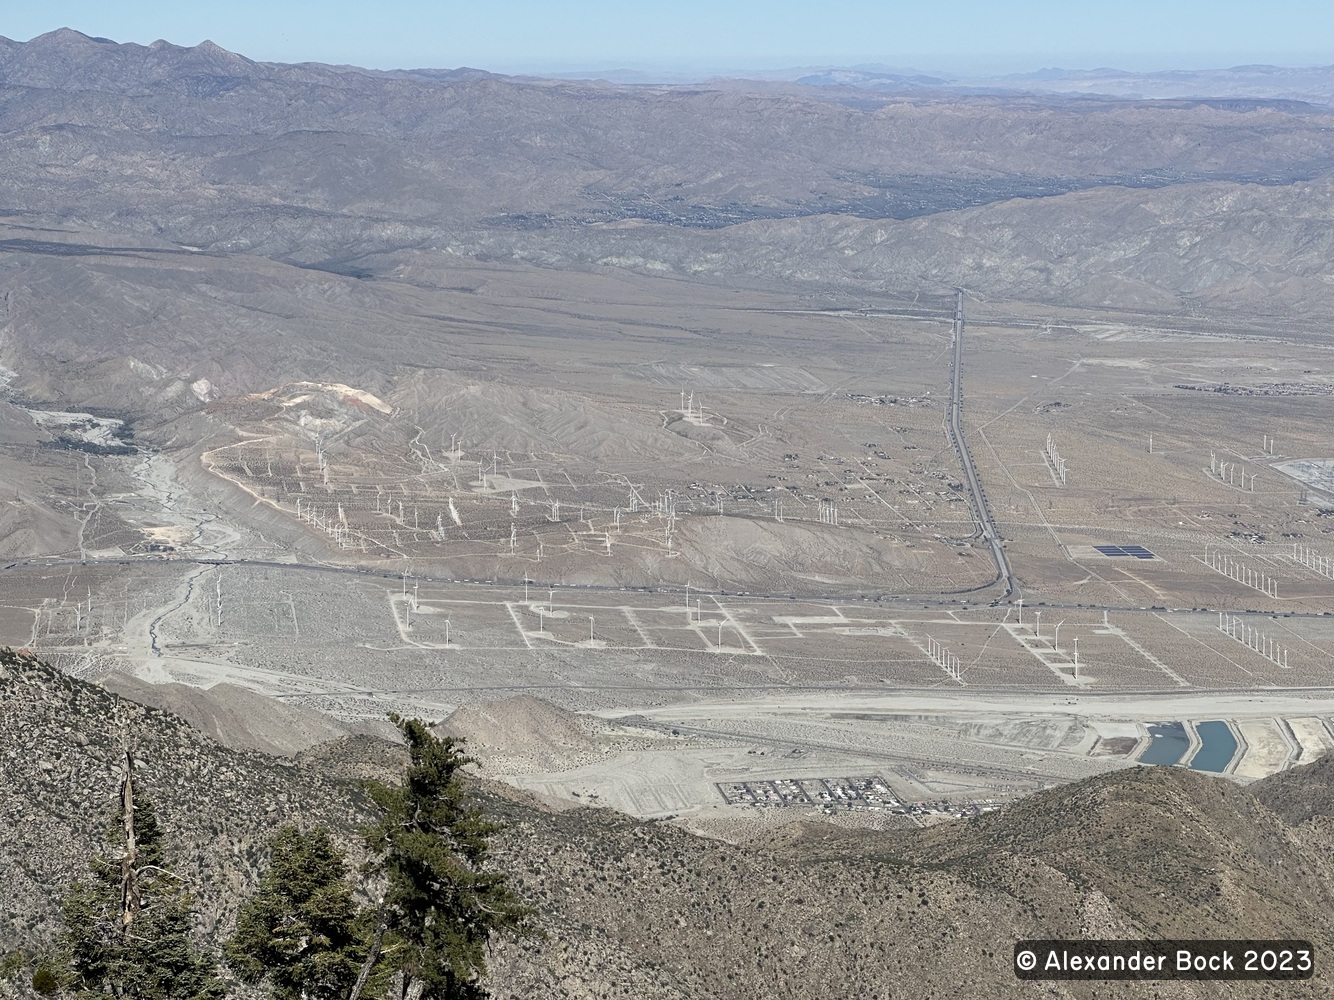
[300,930]
[128,930]
[442,902]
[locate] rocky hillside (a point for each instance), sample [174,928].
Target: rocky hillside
[1302,794]
[61,746]
[649,910]
[1221,248]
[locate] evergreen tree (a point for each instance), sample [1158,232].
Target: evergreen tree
[441,901]
[128,930]
[300,929]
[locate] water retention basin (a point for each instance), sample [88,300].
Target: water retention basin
[1217,747]
[1168,745]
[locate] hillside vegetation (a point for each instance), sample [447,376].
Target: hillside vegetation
[640,909]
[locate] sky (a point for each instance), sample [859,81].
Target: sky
[961,37]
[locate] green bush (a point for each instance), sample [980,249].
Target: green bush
[12,964]
[45,983]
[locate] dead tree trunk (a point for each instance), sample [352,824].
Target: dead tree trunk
[371,959]
[129,869]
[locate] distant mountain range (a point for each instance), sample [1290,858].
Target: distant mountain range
[1305,84]
[44,59]
[1182,205]
[1310,84]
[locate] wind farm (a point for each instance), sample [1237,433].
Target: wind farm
[807,530]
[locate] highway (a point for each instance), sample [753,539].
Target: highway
[878,597]
[981,512]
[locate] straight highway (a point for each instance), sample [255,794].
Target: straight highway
[981,512]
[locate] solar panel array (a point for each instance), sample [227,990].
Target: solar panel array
[1137,551]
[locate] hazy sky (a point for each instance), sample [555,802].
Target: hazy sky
[532,35]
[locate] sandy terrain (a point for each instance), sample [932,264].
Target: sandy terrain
[1314,737]
[1267,748]
[766,555]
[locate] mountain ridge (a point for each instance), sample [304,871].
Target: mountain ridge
[461,149]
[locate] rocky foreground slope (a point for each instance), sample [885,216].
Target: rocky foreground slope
[635,909]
